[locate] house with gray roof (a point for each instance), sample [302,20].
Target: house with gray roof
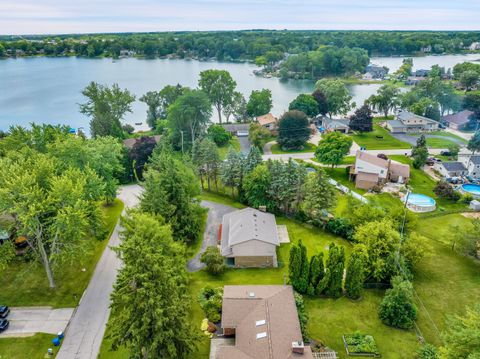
[451,169]
[458,120]
[263,321]
[408,122]
[327,124]
[471,162]
[249,238]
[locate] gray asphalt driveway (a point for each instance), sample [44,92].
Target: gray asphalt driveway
[216,212]
[413,139]
[85,331]
[26,321]
[244,144]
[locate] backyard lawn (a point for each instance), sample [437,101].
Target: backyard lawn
[347,160]
[25,283]
[234,143]
[341,176]
[384,140]
[446,140]
[309,147]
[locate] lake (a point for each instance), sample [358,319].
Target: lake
[49,89]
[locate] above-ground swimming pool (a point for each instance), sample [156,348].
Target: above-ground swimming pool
[420,203]
[473,189]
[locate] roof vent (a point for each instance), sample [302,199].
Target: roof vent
[251,294]
[260,322]
[298,347]
[261,335]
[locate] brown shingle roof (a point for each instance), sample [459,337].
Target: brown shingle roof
[266,119]
[399,169]
[368,177]
[367,157]
[459,118]
[273,303]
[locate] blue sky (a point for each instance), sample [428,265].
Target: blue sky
[80,16]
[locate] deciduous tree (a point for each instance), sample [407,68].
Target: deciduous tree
[397,308]
[338,97]
[293,130]
[219,87]
[259,103]
[333,147]
[362,120]
[386,99]
[214,261]
[305,103]
[355,276]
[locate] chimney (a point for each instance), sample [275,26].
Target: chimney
[262,208]
[298,347]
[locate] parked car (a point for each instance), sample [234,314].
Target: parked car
[445,153]
[3,324]
[430,161]
[4,310]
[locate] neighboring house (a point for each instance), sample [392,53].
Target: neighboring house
[474,46]
[249,238]
[130,142]
[370,171]
[237,129]
[451,169]
[407,122]
[471,163]
[268,121]
[327,124]
[375,72]
[413,80]
[263,319]
[459,120]
[421,73]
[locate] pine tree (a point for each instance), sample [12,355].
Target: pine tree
[294,266]
[335,265]
[356,272]
[304,269]
[316,274]
[254,158]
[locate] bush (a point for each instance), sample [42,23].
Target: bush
[128,128]
[302,314]
[210,300]
[427,351]
[466,198]
[397,308]
[214,260]
[219,135]
[341,227]
[445,190]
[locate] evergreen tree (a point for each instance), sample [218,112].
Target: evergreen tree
[293,130]
[304,269]
[316,273]
[232,170]
[474,143]
[150,301]
[335,265]
[355,276]
[294,266]
[362,120]
[319,195]
[420,152]
[254,158]
[256,187]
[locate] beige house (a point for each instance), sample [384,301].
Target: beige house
[268,121]
[249,238]
[408,122]
[263,319]
[370,170]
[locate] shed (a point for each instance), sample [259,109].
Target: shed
[475,205]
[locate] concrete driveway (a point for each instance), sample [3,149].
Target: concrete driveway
[26,321]
[85,332]
[216,212]
[244,144]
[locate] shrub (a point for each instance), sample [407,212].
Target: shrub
[302,314]
[219,135]
[341,227]
[445,190]
[210,300]
[214,260]
[128,128]
[466,198]
[361,343]
[427,351]
[397,308]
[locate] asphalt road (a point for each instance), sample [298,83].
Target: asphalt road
[86,329]
[244,144]
[216,212]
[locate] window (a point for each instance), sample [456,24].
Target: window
[261,335]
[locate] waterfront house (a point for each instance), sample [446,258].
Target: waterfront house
[408,122]
[458,120]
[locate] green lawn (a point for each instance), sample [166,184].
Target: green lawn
[309,147]
[234,143]
[340,175]
[348,160]
[371,142]
[34,347]
[446,140]
[25,283]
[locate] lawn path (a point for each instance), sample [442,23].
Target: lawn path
[86,329]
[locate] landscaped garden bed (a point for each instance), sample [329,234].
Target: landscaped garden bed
[359,344]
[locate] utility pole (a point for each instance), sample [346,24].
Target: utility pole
[181,133]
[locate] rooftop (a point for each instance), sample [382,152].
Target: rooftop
[459,118]
[454,166]
[266,119]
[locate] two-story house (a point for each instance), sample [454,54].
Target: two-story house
[408,122]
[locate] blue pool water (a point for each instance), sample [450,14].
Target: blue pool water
[472,188]
[420,200]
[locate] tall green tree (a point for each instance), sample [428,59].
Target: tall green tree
[56,209]
[150,301]
[237,108]
[171,189]
[299,267]
[386,99]
[322,102]
[189,116]
[333,147]
[362,120]
[474,143]
[219,87]
[316,274]
[259,103]
[319,195]
[305,103]
[293,130]
[106,107]
[338,97]
[206,158]
[397,308]
[420,152]
[355,276]
[232,171]
[253,159]
[153,101]
[461,339]
[256,186]
[335,265]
